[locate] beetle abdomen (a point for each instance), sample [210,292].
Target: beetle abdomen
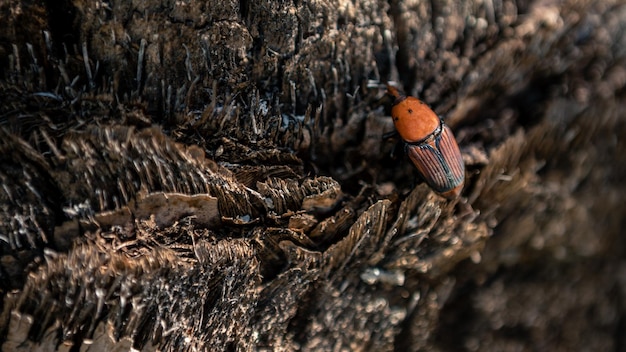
[439,161]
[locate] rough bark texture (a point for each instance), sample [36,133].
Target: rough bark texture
[193,175]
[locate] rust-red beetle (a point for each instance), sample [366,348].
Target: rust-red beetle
[429,143]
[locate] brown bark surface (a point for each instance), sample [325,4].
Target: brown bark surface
[213,175]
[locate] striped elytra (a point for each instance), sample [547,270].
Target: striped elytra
[430,144]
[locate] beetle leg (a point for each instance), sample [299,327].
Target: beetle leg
[390,134]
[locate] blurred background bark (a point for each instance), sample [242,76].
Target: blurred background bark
[191,175]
